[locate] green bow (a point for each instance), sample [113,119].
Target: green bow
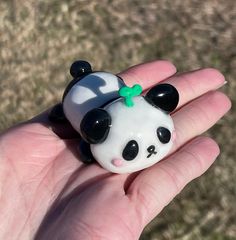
[129,92]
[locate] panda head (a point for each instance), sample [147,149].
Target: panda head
[127,139]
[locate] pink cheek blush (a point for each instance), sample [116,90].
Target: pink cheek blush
[117,162]
[173,135]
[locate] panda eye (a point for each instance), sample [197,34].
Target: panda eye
[163,135]
[130,151]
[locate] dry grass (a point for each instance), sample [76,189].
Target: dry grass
[40,39]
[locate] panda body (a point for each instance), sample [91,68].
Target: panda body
[92,91]
[122,138]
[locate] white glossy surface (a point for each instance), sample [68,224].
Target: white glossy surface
[138,123]
[90,92]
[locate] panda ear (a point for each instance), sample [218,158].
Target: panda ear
[163,96]
[95,126]
[79,68]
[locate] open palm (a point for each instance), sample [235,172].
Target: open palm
[47,193]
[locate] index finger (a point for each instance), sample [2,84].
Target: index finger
[148,74]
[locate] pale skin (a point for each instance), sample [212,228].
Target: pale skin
[47,193]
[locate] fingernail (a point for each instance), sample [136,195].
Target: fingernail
[222,84]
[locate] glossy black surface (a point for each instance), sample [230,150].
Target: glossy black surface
[57,114]
[163,134]
[85,154]
[95,126]
[163,96]
[130,151]
[79,68]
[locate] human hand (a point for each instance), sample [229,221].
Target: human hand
[47,193]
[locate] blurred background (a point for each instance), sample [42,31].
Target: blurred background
[40,39]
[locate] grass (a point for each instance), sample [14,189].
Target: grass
[40,39]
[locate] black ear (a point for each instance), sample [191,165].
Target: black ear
[163,96]
[95,126]
[79,68]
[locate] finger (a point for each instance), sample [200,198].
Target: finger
[193,84]
[148,74]
[190,85]
[191,120]
[199,115]
[155,187]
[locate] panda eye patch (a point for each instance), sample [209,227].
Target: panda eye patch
[130,151]
[163,134]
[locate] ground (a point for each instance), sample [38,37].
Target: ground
[40,39]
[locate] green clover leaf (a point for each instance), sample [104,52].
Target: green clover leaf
[129,92]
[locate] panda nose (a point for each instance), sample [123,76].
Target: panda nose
[151,150]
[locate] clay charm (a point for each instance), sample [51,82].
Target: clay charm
[121,129]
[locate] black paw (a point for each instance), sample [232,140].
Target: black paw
[85,153]
[57,114]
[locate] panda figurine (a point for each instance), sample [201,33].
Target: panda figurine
[120,129]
